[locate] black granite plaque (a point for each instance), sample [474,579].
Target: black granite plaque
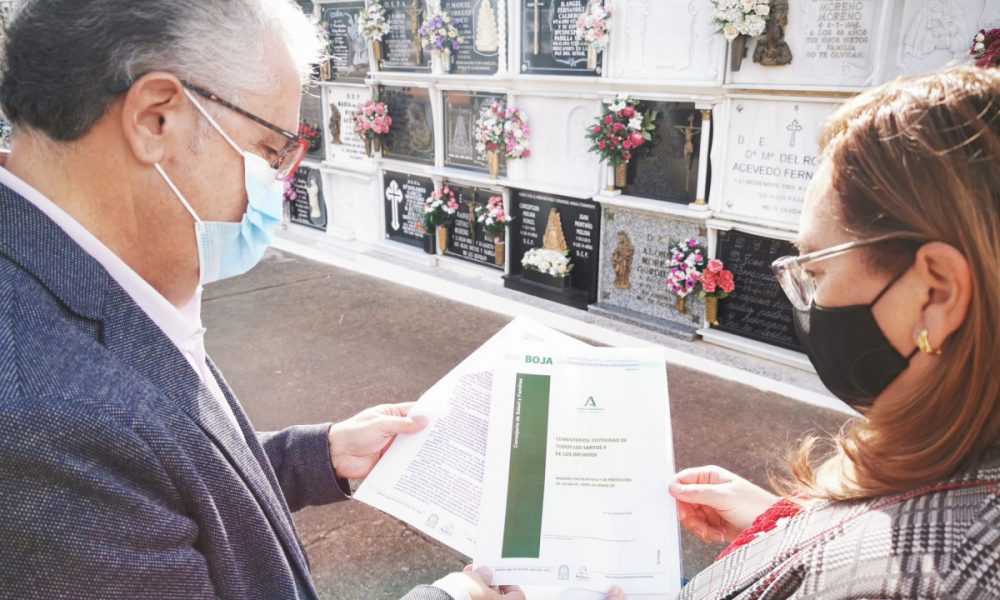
[403,196]
[311,114]
[758,309]
[411,136]
[548,38]
[461,113]
[307,6]
[478,23]
[467,240]
[309,206]
[581,222]
[401,46]
[666,167]
[348,49]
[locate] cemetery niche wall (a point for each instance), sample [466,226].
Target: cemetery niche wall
[737,129]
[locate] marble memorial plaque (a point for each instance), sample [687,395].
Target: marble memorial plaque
[309,206]
[548,38]
[833,43]
[758,309]
[581,222]
[411,136]
[928,34]
[772,152]
[344,141]
[468,240]
[403,196]
[311,114]
[478,23]
[667,40]
[401,49]
[635,252]
[348,49]
[666,168]
[461,113]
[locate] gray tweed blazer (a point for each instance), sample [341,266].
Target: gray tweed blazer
[939,542]
[120,475]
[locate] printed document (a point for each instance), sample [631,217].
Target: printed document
[578,463]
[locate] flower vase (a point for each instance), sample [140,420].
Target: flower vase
[591,58]
[377,51]
[621,175]
[681,305]
[712,310]
[737,52]
[501,253]
[377,144]
[368,145]
[442,239]
[286,213]
[494,164]
[441,62]
[429,243]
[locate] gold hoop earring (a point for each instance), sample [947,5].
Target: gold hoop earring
[924,343]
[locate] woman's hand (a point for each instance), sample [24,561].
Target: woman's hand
[716,505]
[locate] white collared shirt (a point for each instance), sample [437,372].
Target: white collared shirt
[182,325]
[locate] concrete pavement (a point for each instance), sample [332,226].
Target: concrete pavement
[304,342]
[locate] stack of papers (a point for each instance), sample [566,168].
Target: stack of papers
[547,460]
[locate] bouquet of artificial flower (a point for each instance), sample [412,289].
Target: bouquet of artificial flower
[372,119]
[440,208]
[986,48]
[503,130]
[438,34]
[550,262]
[290,194]
[716,281]
[741,17]
[310,133]
[593,25]
[372,22]
[493,218]
[685,265]
[621,129]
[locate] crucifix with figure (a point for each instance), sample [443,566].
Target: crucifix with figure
[537,6]
[689,132]
[415,28]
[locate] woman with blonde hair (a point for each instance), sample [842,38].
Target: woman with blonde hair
[896,293]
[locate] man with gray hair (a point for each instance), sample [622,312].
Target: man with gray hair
[150,141]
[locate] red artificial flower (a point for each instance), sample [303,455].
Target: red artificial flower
[636,138]
[627,145]
[602,144]
[628,156]
[628,112]
[708,282]
[597,129]
[618,127]
[609,119]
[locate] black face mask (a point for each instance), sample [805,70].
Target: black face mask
[852,356]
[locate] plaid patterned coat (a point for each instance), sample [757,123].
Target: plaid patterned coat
[120,475]
[939,542]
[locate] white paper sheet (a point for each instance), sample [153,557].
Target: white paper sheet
[578,464]
[432,480]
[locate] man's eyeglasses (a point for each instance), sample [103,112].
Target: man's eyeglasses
[289,157]
[799,284]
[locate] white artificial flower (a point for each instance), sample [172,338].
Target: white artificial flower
[763,10]
[635,123]
[730,31]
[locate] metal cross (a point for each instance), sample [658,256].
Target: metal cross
[395,196]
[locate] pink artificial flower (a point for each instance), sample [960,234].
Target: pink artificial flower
[636,138]
[628,156]
[708,282]
[609,119]
[597,129]
[726,281]
[618,127]
[692,243]
[628,112]
[714,265]
[602,144]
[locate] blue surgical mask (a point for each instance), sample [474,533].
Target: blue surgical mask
[227,249]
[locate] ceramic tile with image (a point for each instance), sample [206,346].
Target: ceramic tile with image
[412,134]
[461,115]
